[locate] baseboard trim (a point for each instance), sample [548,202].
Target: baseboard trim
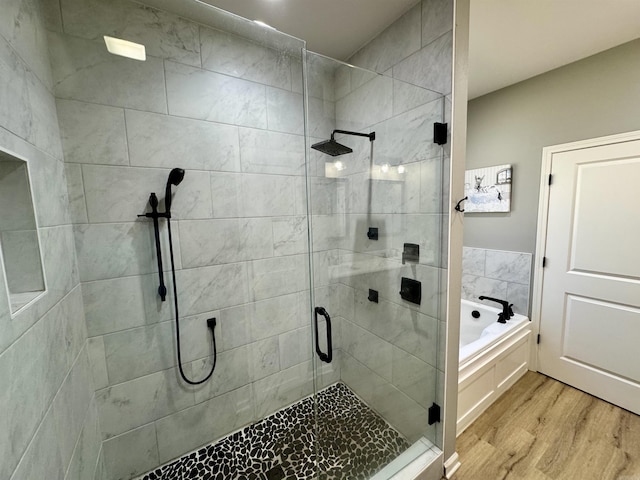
[451,465]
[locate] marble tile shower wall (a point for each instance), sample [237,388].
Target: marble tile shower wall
[49,420]
[497,274]
[230,112]
[388,350]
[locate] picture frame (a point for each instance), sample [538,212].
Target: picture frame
[488,189]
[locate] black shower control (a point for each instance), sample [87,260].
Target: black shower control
[411,290]
[373,296]
[372,234]
[411,253]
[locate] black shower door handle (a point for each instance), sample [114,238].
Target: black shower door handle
[325,357]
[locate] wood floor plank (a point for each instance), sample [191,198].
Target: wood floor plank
[542,429]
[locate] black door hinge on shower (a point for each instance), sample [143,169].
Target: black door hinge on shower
[434,413]
[440,133]
[544,262]
[550,179]
[538,339]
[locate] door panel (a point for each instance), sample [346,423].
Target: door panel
[590,315]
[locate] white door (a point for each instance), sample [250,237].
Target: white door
[590,309]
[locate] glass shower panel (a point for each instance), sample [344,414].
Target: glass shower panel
[377,250]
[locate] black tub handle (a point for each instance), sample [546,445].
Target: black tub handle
[325,357]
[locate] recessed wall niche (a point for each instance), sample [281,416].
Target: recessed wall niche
[19,238]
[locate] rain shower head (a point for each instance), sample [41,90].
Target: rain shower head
[175,177]
[333,148]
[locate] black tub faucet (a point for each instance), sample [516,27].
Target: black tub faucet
[507,311]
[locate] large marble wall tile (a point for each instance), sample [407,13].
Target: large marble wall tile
[519,296]
[204,423]
[113,305]
[75,189]
[283,388]
[474,286]
[431,175]
[277,315]
[508,266]
[119,194]
[85,455]
[233,371]
[22,267]
[97,362]
[92,133]
[473,260]
[49,187]
[290,235]
[401,326]
[328,195]
[402,412]
[413,377]
[285,111]
[139,351]
[204,95]
[193,198]
[111,250]
[236,327]
[267,195]
[165,141]
[132,404]
[437,19]
[52,16]
[395,43]
[269,152]
[265,358]
[368,349]
[367,105]
[425,230]
[329,231]
[322,118]
[212,288]
[131,454]
[430,67]
[85,70]
[295,347]
[320,76]
[225,195]
[22,25]
[14,94]
[272,277]
[163,34]
[226,53]
[407,96]
[408,137]
[32,370]
[208,242]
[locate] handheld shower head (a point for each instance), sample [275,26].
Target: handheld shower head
[175,177]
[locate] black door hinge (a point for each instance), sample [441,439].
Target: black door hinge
[538,339]
[550,179]
[440,133]
[434,413]
[544,262]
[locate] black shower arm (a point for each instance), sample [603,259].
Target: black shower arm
[371,136]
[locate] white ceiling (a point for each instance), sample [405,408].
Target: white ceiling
[510,40]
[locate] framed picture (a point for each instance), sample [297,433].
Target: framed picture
[488,189]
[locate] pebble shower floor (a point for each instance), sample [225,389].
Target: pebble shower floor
[354,443]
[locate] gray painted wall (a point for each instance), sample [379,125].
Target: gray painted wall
[594,97]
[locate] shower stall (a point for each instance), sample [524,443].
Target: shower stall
[325,268]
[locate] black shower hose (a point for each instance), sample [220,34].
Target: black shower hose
[175,303]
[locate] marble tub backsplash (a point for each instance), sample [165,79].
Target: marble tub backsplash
[498,274]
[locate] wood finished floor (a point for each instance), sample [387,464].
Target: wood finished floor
[542,429]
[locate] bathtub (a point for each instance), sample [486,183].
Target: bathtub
[493,356]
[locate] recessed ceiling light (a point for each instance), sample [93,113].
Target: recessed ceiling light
[124,48]
[262,24]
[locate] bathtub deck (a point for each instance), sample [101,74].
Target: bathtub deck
[542,429]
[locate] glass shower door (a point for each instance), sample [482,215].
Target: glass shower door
[374,184]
